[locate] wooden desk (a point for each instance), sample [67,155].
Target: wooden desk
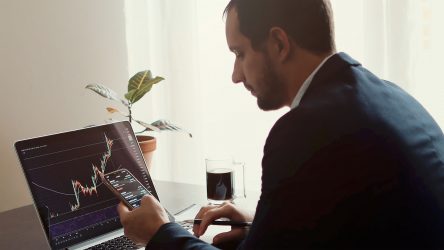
[20,227]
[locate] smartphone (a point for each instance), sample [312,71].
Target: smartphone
[123,184]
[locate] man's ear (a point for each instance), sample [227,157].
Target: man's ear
[280,43]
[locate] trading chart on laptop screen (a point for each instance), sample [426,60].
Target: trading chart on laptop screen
[63,170]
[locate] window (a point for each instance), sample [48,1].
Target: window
[184,41]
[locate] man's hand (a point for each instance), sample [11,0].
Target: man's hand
[226,210]
[143,222]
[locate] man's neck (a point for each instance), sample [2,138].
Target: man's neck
[299,70]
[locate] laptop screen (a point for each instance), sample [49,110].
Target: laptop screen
[62,171]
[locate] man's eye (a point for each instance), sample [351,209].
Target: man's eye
[237,53]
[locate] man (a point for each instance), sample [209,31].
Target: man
[356,163]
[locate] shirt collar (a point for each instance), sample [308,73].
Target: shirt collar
[306,84]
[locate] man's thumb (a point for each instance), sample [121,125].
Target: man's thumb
[236,234]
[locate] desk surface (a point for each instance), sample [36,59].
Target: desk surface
[20,227]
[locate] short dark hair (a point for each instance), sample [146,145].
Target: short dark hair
[308,22]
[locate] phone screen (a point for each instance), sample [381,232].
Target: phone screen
[127,186]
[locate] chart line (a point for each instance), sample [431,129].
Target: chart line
[78,187]
[52,190]
[74,159]
[62,193]
[69,149]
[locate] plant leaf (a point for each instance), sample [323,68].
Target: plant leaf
[137,79]
[167,125]
[148,126]
[106,92]
[140,84]
[114,110]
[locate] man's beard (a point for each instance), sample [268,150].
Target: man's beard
[273,93]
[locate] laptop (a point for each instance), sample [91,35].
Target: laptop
[76,210]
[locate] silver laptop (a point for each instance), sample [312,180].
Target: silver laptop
[76,209]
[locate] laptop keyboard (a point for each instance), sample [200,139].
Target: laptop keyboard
[186,225]
[121,242]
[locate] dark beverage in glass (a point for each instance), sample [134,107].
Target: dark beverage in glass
[220,185]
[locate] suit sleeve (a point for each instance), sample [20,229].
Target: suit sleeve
[173,236]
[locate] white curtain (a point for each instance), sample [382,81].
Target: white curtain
[399,40]
[184,41]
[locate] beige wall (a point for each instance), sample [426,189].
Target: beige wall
[49,50]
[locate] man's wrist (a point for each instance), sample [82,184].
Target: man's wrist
[162,235]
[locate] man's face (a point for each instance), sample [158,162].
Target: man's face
[254,68]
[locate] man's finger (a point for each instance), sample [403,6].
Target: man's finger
[203,210]
[235,234]
[199,215]
[213,214]
[122,210]
[147,199]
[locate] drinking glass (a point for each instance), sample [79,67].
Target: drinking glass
[225,180]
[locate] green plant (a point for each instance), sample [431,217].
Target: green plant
[138,85]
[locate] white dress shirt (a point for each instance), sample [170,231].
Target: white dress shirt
[306,84]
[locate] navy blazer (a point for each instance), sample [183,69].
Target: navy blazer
[358,164]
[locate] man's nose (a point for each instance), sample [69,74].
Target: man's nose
[237,76]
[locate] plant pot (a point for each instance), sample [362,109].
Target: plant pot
[147,145]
